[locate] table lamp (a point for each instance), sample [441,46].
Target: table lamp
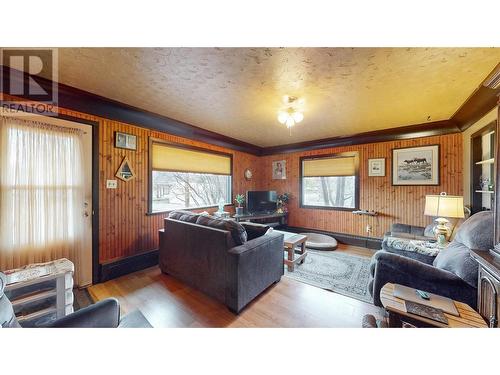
[443,206]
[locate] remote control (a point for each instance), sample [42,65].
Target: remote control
[422,294]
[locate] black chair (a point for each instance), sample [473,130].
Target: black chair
[103,314]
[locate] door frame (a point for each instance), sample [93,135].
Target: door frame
[96,269]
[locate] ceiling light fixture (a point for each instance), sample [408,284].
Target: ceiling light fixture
[290,116]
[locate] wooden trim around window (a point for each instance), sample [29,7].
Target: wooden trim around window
[357,189]
[186,147]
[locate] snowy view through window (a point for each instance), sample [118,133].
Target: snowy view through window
[329,191]
[178,190]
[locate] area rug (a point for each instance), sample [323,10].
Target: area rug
[340,273]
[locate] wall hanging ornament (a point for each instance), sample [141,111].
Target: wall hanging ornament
[125,171]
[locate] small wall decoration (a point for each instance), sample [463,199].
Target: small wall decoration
[415,165]
[126,141]
[279,170]
[376,167]
[125,171]
[248,174]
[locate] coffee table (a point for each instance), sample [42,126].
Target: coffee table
[395,307]
[295,244]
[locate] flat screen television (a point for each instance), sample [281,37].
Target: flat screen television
[261,201]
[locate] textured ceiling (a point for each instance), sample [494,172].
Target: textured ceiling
[238,91]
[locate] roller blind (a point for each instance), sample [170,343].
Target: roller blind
[326,167]
[170,158]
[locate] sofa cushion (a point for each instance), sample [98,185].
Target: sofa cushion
[255,230]
[181,215]
[477,231]
[238,233]
[456,258]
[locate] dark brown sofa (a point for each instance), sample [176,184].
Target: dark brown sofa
[214,256]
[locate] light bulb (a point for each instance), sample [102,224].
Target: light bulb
[290,122]
[282,117]
[297,116]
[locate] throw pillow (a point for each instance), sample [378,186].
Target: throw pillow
[182,215]
[236,229]
[255,230]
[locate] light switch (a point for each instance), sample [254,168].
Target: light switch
[111,184]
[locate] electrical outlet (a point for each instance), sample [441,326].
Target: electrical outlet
[111,184]
[368,229]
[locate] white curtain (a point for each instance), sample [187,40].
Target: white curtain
[41,193]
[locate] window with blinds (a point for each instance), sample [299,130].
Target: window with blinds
[185,177]
[330,181]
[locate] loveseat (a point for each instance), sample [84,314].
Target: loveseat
[453,273]
[399,239]
[220,257]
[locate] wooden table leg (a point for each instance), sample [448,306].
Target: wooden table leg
[394,320]
[291,256]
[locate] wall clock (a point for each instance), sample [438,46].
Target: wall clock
[248,174]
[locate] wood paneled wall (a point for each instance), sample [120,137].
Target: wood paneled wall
[124,227]
[403,204]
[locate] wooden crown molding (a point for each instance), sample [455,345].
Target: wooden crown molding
[481,101]
[405,132]
[86,102]
[477,105]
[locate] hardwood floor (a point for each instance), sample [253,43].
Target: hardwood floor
[167,302]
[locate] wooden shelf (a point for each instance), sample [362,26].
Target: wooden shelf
[37,314]
[487,161]
[34,298]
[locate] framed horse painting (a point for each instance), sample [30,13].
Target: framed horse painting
[415,165]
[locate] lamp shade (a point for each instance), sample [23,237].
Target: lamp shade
[444,206]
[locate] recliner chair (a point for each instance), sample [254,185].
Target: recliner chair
[103,314]
[452,274]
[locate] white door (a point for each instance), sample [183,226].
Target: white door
[47,222]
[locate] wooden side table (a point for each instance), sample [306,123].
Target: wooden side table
[293,242]
[396,309]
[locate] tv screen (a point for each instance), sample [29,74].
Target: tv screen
[261,201]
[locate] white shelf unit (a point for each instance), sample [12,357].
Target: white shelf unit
[41,292]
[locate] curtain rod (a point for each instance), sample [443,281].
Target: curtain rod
[44,125]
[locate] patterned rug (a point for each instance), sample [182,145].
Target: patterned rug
[340,273]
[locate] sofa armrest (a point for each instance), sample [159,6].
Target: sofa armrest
[253,267]
[393,268]
[103,314]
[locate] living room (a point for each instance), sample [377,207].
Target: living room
[349,186]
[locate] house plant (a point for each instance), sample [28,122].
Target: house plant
[282,202]
[240,199]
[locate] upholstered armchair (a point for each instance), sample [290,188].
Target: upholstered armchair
[453,273]
[103,314]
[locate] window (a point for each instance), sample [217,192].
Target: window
[330,182]
[184,177]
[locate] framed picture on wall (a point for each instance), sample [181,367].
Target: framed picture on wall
[279,170]
[126,141]
[415,165]
[376,167]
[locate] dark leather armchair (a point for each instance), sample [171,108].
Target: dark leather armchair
[103,314]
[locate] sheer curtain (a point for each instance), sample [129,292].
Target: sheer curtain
[41,193]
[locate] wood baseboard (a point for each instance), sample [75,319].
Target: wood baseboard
[348,239]
[128,265]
